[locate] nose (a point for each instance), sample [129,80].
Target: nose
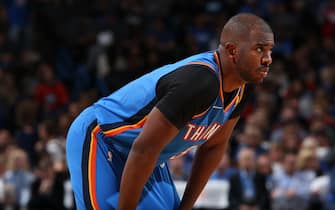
[266,59]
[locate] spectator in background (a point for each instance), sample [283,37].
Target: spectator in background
[308,166]
[2,183]
[260,118]
[327,79]
[276,156]
[286,183]
[307,170]
[291,136]
[18,13]
[264,165]
[264,169]
[26,118]
[8,95]
[50,142]
[5,140]
[327,17]
[17,179]
[248,188]
[252,137]
[330,199]
[48,187]
[309,143]
[201,32]
[50,94]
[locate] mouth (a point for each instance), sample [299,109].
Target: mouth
[264,71]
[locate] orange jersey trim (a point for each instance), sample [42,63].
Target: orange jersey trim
[92,168]
[241,93]
[237,98]
[201,114]
[211,67]
[232,103]
[220,76]
[124,128]
[202,63]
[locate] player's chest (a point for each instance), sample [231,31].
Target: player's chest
[203,127]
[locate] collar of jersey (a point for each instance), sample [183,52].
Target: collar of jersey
[239,93]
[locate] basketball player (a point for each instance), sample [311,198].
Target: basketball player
[117,148]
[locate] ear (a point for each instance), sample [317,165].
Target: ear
[230,48]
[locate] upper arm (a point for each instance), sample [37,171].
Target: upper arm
[222,136]
[156,133]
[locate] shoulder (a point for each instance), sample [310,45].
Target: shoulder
[193,78]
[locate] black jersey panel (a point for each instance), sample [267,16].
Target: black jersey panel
[185,92]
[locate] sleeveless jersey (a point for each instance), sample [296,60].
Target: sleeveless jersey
[122,114]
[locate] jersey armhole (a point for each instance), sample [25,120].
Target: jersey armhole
[211,67]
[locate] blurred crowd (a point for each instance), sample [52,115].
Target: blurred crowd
[59,56]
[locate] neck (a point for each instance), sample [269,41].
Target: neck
[231,82]
[230,77]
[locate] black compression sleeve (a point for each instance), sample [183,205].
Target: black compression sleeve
[185,92]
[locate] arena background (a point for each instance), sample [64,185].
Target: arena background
[58,56]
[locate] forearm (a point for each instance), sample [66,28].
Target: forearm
[156,134]
[138,169]
[205,162]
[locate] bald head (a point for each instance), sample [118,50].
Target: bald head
[241,25]
[246,158]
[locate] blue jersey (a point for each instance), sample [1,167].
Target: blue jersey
[122,114]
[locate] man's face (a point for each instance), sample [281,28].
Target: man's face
[254,56]
[247,160]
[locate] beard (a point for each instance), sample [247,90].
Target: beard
[250,76]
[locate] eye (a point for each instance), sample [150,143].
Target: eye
[259,49]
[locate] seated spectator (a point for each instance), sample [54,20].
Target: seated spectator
[329,204]
[17,179]
[248,188]
[26,118]
[48,187]
[2,184]
[49,141]
[5,140]
[276,155]
[308,166]
[319,189]
[290,139]
[309,143]
[285,186]
[50,94]
[263,165]
[252,137]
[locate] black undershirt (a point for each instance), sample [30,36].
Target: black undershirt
[190,90]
